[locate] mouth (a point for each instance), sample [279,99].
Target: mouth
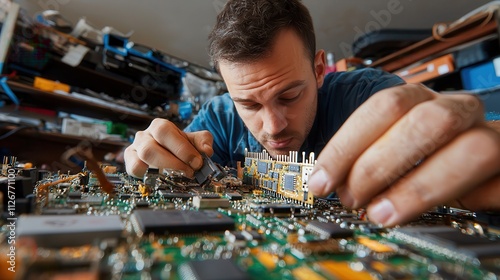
[280,144]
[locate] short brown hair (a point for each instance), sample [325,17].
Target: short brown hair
[245,29]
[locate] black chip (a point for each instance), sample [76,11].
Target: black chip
[452,239]
[177,221]
[329,230]
[211,270]
[124,196]
[210,195]
[276,208]
[75,194]
[234,196]
[142,203]
[169,194]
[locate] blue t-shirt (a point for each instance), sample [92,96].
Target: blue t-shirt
[339,96]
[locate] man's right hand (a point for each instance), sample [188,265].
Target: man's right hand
[164,145]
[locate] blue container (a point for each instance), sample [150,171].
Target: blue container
[481,76]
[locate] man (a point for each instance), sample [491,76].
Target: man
[401,152]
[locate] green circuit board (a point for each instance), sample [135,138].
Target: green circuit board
[170,227]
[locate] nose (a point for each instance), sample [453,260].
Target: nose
[274,120]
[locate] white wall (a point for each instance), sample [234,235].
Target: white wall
[180,27]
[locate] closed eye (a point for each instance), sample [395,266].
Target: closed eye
[290,98]
[250,106]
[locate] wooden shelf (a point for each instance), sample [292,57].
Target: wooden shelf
[60,102]
[478,27]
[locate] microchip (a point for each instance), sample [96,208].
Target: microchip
[169,194]
[211,270]
[289,182]
[142,204]
[262,167]
[209,195]
[329,230]
[178,221]
[276,208]
[234,196]
[294,168]
[69,230]
[446,239]
[209,171]
[75,195]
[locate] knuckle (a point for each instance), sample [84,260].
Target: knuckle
[472,103]
[182,149]
[207,135]
[146,153]
[160,124]
[391,101]
[432,119]
[484,145]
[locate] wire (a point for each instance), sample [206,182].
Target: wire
[13,131]
[8,91]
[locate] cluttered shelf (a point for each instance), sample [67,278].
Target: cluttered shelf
[45,148]
[462,31]
[78,104]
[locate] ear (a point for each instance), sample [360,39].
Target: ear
[319,67]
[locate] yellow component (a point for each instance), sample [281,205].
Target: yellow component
[305,273]
[144,190]
[380,267]
[257,192]
[342,271]
[48,85]
[289,260]
[109,169]
[267,259]
[375,245]
[292,238]
[28,165]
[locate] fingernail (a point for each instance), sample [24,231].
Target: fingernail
[382,212]
[317,182]
[195,163]
[207,147]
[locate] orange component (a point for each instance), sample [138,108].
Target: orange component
[375,246]
[428,70]
[342,271]
[48,85]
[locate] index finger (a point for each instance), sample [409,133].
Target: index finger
[169,136]
[368,123]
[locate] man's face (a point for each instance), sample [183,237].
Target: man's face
[276,96]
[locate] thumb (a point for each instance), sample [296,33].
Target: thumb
[202,141]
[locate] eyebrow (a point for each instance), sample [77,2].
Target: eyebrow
[286,88]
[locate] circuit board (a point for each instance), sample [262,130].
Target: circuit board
[256,222]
